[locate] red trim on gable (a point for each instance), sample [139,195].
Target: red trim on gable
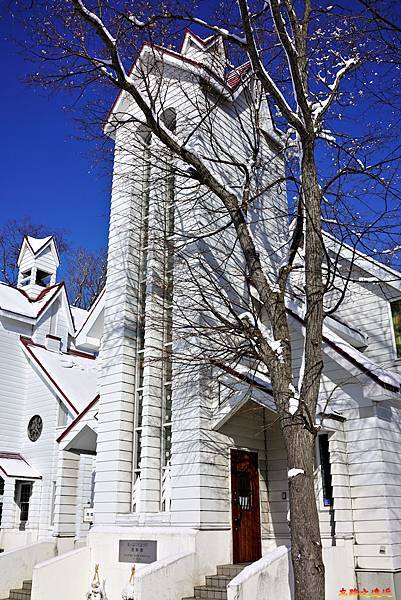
[351,359]
[54,337]
[203,41]
[81,354]
[12,455]
[243,377]
[78,418]
[28,342]
[16,456]
[180,57]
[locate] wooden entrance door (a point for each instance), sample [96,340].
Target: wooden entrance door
[245,506]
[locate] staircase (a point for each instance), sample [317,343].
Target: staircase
[215,587]
[22,594]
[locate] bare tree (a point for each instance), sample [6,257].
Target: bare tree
[85,276]
[306,60]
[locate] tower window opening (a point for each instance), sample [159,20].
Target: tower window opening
[25,278]
[42,278]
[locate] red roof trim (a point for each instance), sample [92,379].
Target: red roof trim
[28,342]
[183,59]
[12,455]
[78,418]
[244,377]
[16,456]
[203,41]
[351,359]
[81,354]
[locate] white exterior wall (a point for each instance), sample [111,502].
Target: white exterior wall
[13,375]
[367,307]
[116,406]
[374,444]
[40,401]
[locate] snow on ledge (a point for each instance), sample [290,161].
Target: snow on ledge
[258,566]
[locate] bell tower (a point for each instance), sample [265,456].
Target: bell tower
[38,261]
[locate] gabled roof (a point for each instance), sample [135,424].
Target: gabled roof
[79,315]
[81,335]
[372,266]
[16,304]
[385,378]
[72,376]
[78,419]
[37,245]
[13,464]
[228,86]
[16,301]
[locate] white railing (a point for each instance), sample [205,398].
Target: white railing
[166,579]
[17,565]
[66,577]
[269,578]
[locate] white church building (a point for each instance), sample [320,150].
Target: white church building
[191,479]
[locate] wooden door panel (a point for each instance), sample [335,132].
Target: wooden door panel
[245,506]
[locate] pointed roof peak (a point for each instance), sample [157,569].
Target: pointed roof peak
[204,43]
[208,51]
[36,244]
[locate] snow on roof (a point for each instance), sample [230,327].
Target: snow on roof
[15,465]
[72,375]
[384,377]
[14,300]
[37,244]
[79,315]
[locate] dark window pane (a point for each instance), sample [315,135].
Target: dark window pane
[326,470]
[244,491]
[396,314]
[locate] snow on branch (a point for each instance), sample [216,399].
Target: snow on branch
[319,109]
[275,346]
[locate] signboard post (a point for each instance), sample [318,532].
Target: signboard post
[137,551]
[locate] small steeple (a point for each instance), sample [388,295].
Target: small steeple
[209,52]
[38,261]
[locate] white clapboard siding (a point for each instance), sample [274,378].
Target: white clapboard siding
[41,454]
[12,390]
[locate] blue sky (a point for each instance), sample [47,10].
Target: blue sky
[46,173]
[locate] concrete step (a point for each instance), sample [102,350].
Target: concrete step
[20,594]
[210,593]
[215,587]
[231,571]
[218,581]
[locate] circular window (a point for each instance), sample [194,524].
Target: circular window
[35,427]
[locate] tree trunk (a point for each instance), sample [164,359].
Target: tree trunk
[306,548]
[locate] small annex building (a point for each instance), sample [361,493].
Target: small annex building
[45,382]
